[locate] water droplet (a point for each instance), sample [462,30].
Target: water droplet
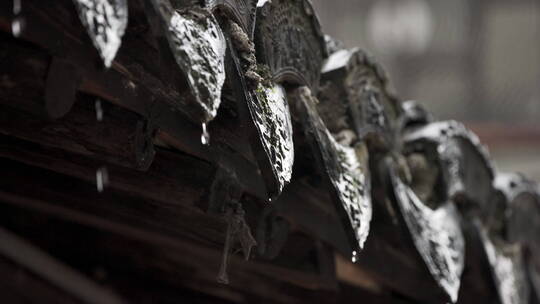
[17,26]
[102,179]
[205,136]
[16,7]
[354,259]
[99,110]
[128,84]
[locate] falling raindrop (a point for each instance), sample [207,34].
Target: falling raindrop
[205,136]
[17,25]
[99,110]
[16,7]
[102,179]
[354,259]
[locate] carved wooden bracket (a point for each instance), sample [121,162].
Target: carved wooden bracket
[240,11]
[345,167]
[105,21]
[467,172]
[289,40]
[516,226]
[372,110]
[436,233]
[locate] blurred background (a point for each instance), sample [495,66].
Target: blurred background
[477,61]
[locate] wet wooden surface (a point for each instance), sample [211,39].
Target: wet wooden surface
[150,236]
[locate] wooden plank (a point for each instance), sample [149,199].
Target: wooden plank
[150,256]
[55,272]
[18,285]
[173,178]
[135,82]
[121,137]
